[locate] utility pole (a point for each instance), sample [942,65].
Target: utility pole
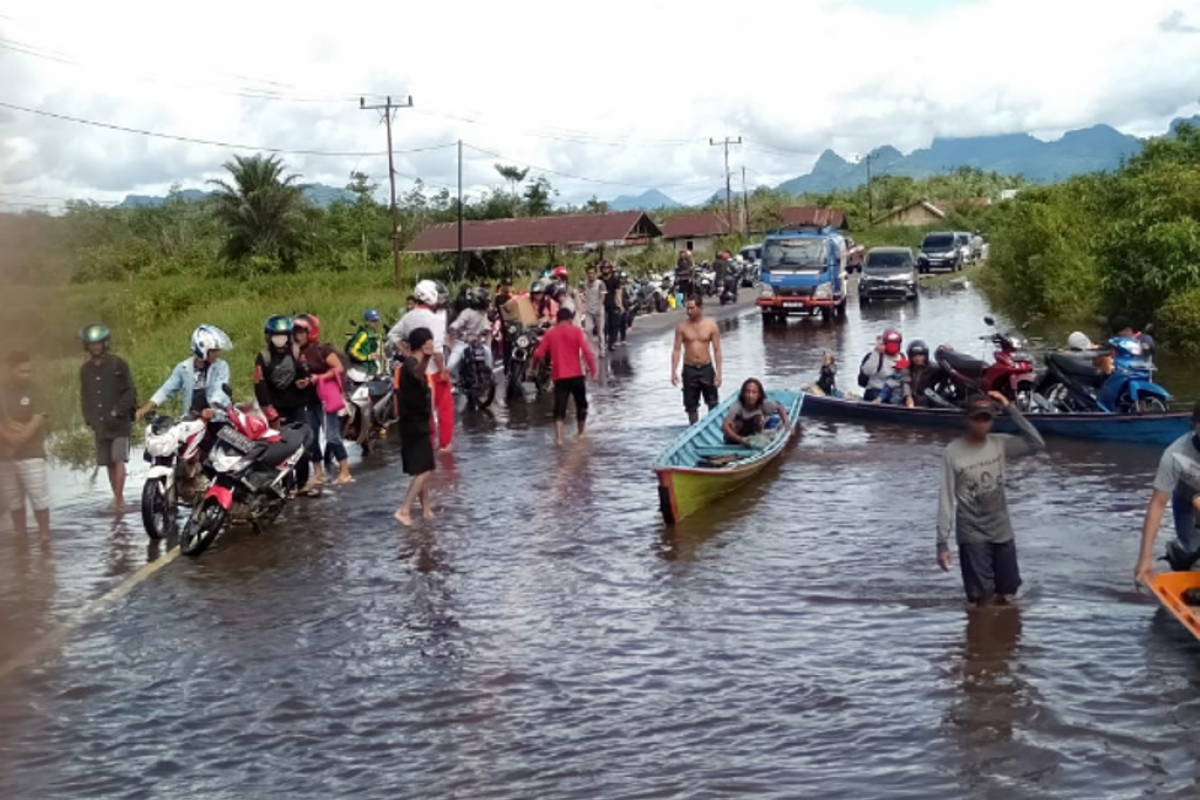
[870,195]
[728,187]
[745,205]
[388,109]
[461,271]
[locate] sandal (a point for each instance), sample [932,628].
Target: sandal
[311,491]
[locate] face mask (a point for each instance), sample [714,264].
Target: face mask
[279,341]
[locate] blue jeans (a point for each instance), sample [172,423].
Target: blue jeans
[612,325]
[315,417]
[333,436]
[1185,519]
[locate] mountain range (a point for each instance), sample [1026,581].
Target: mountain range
[318,194]
[1094,149]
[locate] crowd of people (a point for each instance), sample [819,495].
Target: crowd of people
[300,380]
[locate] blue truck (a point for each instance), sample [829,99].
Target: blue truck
[803,272]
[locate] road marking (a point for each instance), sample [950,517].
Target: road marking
[109,598]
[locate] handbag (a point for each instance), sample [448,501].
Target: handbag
[333,399]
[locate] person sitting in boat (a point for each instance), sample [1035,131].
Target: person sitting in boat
[919,376]
[880,365]
[752,414]
[827,381]
[1079,343]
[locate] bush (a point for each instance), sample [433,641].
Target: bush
[1179,322]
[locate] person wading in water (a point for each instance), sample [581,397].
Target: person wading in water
[699,340]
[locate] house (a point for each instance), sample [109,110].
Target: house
[922,213]
[696,231]
[617,229]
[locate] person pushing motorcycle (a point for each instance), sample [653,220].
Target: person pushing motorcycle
[202,381]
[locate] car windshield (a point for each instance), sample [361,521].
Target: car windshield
[794,253]
[938,241]
[888,261]
[962,238]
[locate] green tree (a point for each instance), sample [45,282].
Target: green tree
[537,197]
[262,211]
[514,175]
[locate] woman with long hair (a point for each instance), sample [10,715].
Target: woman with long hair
[751,413]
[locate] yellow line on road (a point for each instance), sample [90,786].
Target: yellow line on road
[59,634]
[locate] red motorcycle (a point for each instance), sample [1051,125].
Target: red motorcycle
[1011,373]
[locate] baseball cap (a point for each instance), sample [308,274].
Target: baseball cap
[981,406]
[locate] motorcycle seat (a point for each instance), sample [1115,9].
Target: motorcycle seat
[967,365]
[1079,367]
[276,452]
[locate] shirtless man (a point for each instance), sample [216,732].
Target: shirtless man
[699,339]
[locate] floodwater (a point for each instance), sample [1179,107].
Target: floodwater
[547,637]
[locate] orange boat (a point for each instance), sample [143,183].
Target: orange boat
[1169,588]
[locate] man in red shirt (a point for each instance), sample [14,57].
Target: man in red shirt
[567,346]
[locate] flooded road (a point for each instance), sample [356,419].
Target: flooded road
[547,637]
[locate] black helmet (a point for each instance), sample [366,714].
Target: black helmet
[539,286]
[478,299]
[278,325]
[918,347]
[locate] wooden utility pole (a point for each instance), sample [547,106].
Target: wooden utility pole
[728,187]
[461,271]
[870,194]
[389,108]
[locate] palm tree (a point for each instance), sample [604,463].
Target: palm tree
[514,176]
[263,211]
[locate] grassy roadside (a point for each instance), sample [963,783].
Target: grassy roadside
[971,272]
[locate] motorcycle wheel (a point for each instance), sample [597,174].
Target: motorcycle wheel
[202,528]
[1151,405]
[483,392]
[661,305]
[158,510]
[516,376]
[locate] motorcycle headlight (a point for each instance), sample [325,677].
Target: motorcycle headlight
[522,341]
[825,290]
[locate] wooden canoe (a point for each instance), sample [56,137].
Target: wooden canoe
[1169,587]
[1158,429]
[684,486]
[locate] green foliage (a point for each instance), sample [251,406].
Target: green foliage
[1120,242]
[1179,321]
[262,211]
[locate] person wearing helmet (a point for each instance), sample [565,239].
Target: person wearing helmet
[280,385]
[426,316]
[472,324]
[543,301]
[685,271]
[880,365]
[560,278]
[364,350]
[202,381]
[919,376]
[325,398]
[109,401]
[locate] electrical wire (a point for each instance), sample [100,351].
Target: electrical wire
[570,176]
[212,143]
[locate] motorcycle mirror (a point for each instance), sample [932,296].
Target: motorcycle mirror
[989,321]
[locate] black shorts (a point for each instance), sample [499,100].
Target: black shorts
[570,387]
[989,569]
[699,380]
[416,446]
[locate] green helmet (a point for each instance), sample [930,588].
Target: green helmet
[278,325]
[95,333]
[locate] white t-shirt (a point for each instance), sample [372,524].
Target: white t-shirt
[421,317]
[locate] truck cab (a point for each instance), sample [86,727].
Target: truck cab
[803,272]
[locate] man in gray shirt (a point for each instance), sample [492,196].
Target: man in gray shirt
[974,504]
[594,291]
[1177,482]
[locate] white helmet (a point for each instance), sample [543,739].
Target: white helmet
[1079,341]
[209,337]
[426,293]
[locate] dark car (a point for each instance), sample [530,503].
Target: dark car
[888,273]
[940,251]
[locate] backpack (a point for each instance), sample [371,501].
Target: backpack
[282,375]
[863,380]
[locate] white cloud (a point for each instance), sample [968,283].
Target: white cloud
[626,93]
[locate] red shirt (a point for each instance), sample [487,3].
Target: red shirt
[565,343]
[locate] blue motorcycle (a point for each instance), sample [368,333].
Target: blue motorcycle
[1074,383]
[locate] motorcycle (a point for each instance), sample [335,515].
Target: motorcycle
[706,283]
[1011,372]
[1074,383]
[174,478]
[523,341]
[252,472]
[729,291]
[371,410]
[475,379]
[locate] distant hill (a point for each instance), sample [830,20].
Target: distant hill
[646,201]
[1094,149]
[318,194]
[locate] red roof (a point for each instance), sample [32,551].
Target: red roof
[798,216]
[700,223]
[618,227]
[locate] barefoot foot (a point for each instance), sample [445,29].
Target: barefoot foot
[404,517]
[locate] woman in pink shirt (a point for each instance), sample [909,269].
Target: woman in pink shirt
[567,346]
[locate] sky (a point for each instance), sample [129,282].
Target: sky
[602,100]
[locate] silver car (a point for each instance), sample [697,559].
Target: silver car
[889,273]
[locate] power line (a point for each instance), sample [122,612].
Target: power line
[568,175]
[569,136]
[212,143]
